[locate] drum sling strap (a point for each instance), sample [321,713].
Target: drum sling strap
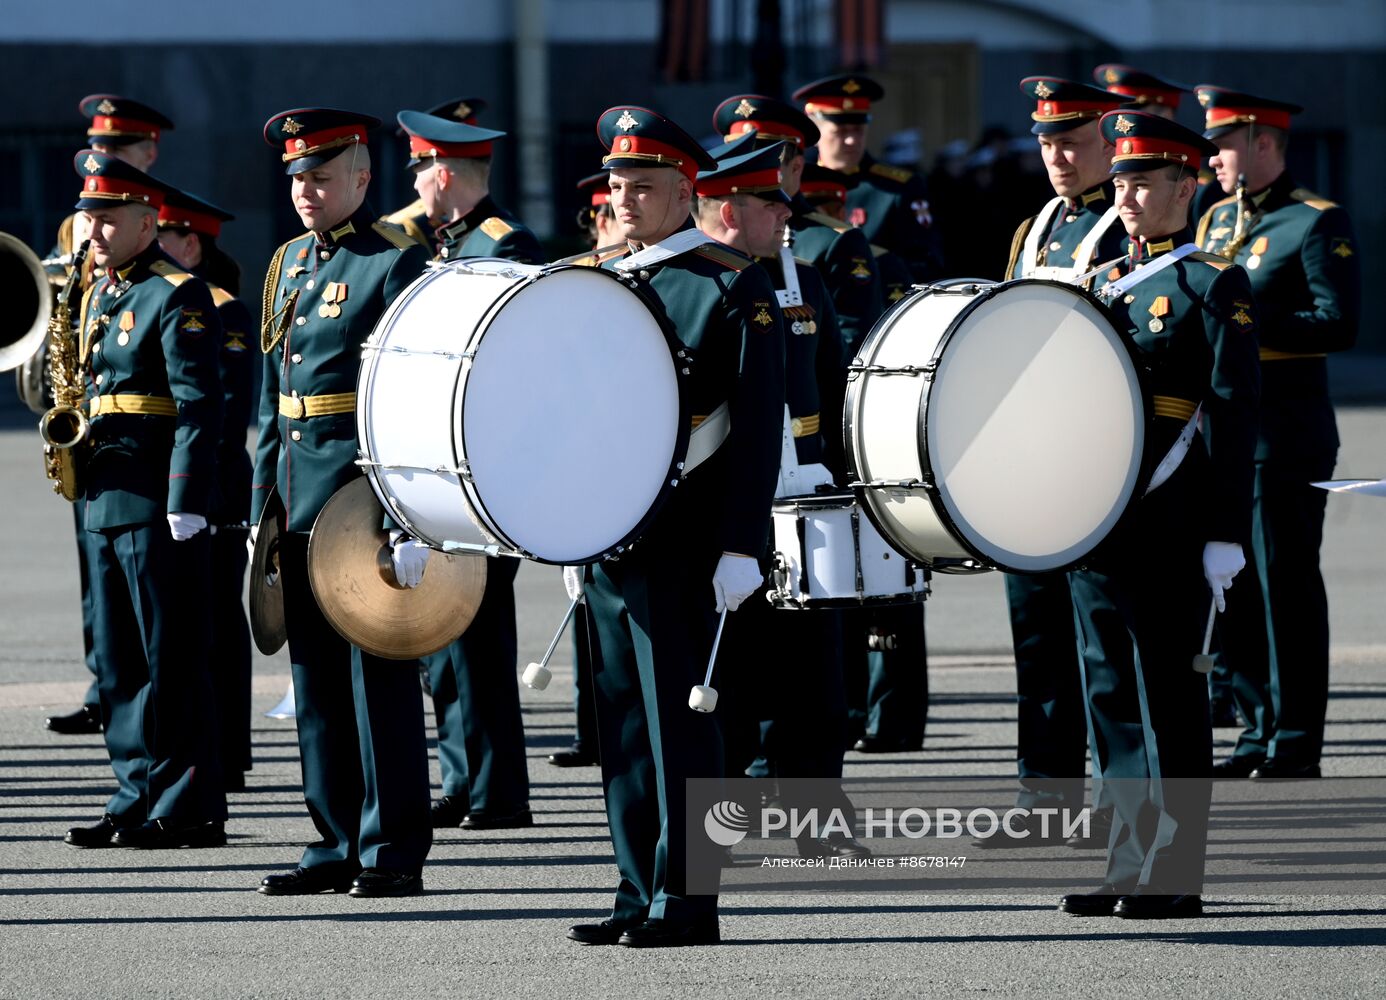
[1184,441]
[1081,260]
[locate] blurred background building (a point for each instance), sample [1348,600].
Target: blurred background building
[549,67]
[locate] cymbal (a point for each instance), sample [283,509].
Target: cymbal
[354,582]
[266,586]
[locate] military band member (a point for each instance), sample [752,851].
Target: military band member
[188,230]
[596,218]
[888,203]
[1078,230]
[1142,596]
[1300,253]
[149,343]
[653,611]
[476,696]
[129,131]
[414,218]
[1143,91]
[360,718]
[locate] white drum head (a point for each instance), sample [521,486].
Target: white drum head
[1035,426]
[568,417]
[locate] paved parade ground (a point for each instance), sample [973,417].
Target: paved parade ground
[188,923]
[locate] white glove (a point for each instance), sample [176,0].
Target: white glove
[1221,562]
[409,557]
[736,578]
[184,526]
[572,581]
[250,542]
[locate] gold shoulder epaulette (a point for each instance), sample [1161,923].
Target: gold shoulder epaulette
[397,237]
[1312,200]
[1211,259]
[220,296]
[725,256]
[827,220]
[174,276]
[403,215]
[1018,244]
[897,174]
[496,227]
[65,235]
[878,251]
[1205,223]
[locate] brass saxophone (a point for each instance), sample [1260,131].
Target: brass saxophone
[64,427]
[1247,217]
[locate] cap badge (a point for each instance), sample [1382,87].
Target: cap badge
[91,165]
[1205,98]
[463,110]
[851,87]
[106,107]
[627,121]
[92,185]
[624,144]
[300,145]
[291,127]
[1048,108]
[1124,125]
[1126,146]
[846,104]
[1043,90]
[1112,76]
[745,109]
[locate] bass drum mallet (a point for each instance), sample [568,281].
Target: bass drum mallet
[538,675]
[703,697]
[1203,663]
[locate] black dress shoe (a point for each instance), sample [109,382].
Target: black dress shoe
[84,721]
[669,934]
[1099,832]
[449,811]
[1152,906]
[606,932]
[1274,767]
[488,821]
[1239,766]
[93,836]
[379,883]
[1092,904]
[575,757]
[877,744]
[305,882]
[160,834]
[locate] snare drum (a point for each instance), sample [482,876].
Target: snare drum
[998,423]
[520,409]
[827,555]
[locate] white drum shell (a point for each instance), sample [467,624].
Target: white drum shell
[820,568]
[1031,416]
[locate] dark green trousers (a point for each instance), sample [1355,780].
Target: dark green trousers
[151,631]
[651,622]
[476,701]
[585,730]
[230,657]
[897,693]
[360,738]
[92,699]
[1051,723]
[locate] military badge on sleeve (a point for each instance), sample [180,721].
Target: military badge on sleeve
[1241,314]
[190,322]
[762,316]
[1342,247]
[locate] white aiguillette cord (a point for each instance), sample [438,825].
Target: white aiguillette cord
[681,242]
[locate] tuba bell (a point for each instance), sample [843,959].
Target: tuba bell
[30,292]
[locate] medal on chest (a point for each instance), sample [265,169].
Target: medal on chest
[332,298]
[1257,250]
[1158,310]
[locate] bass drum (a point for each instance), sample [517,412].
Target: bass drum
[524,410]
[996,424]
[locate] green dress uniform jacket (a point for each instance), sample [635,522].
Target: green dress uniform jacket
[890,205]
[843,257]
[651,612]
[149,343]
[1302,260]
[489,231]
[1141,598]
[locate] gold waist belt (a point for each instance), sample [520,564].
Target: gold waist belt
[128,402]
[301,407]
[1173,406]
[1270,354]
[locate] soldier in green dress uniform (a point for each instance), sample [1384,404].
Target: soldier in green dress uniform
[148,347]
[653,611]
[414,218]
[476,696]
[188,230]
[889,204]
[1142,596]
[1300,252]
[360,718]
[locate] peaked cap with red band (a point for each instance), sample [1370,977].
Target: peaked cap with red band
[1138,86]
[772,120]
[755,173]
[845,99]
[1148,142]
[598,187]
[459,109]
[108,181]
[432,138]
[1063,105]
[819,184]
[1225,110]
[185,211]
[119,121]
[639,137]
[312,136]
